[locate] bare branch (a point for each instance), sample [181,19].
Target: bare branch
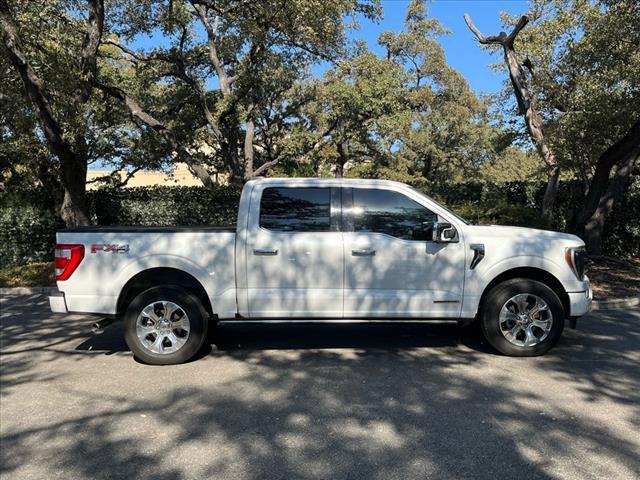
[519,26]
[137,55]
[126,50]
[116,173]
[492,39]
[265,166]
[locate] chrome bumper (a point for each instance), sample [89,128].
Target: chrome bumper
[57,303]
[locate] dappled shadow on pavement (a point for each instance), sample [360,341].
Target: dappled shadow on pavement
[601,359]
[321,401]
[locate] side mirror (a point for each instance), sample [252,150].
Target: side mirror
[444,232]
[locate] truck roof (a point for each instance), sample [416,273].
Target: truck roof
[324,181]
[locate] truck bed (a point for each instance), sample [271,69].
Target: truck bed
[113,255]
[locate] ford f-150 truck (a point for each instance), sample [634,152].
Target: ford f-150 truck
[324,249]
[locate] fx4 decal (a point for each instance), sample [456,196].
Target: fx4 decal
[109,248]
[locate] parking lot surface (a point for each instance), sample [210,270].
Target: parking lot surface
[338,401]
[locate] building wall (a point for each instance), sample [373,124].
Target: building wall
[180,176]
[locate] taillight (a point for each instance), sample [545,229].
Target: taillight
[68,257]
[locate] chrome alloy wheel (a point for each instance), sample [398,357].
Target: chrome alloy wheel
[525,320]
[162,327]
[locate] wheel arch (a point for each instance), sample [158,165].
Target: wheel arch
[530,273]
[161,276]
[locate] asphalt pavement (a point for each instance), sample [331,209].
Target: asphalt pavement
[381,401]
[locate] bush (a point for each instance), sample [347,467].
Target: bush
[28,222]
[500,212]
[27,234]
[32,275]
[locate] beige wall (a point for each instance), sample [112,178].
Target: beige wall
[180,176]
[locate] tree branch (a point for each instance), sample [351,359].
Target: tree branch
[165,132]
[137,55]
[120,183]
[90,44]
[33,84]
[215,60]
[492,39]
[522,22]
[265,166]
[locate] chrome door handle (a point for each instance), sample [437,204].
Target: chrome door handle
[363,253]
[265,251]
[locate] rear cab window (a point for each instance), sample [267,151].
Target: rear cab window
[304,209]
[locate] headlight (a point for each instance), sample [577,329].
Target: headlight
[576,258]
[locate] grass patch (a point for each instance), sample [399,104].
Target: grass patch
[33,275]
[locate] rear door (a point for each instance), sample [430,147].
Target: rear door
[392,266]
[294,254]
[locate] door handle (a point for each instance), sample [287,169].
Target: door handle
[363,253]
[265,251]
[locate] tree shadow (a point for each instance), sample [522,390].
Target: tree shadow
[320,401]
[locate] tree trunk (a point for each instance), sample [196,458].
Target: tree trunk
[533,122]
[202,174]
[248,146]
[74,180]
[343,156]
[73,167]
[428,167]
[607,192]
[229,150]
[550,194]
[595,226]
[621,153]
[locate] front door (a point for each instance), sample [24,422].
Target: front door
[392,266]
[295,265]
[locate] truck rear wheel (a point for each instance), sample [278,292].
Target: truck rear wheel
[522,318]
[165,325]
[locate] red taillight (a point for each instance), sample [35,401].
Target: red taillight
[68,257]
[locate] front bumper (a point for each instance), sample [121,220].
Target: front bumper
[580,302]
[57,303]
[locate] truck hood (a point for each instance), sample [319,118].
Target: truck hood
[521,236]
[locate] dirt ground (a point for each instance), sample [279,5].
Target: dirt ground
[614,278]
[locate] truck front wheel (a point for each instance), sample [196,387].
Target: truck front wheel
[522,318]
[165,325]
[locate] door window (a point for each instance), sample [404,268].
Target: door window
[392,213]
[296,209]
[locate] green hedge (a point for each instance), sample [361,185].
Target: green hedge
[28,221]
[163,205]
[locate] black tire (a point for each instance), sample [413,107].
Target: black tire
[498,297]
[198,320]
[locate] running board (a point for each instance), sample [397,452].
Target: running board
[343,321]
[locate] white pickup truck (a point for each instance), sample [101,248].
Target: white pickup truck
[324,249]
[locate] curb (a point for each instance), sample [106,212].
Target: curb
[28,290]
[610,304]
[615,303]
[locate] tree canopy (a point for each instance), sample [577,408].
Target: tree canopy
[232,87]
